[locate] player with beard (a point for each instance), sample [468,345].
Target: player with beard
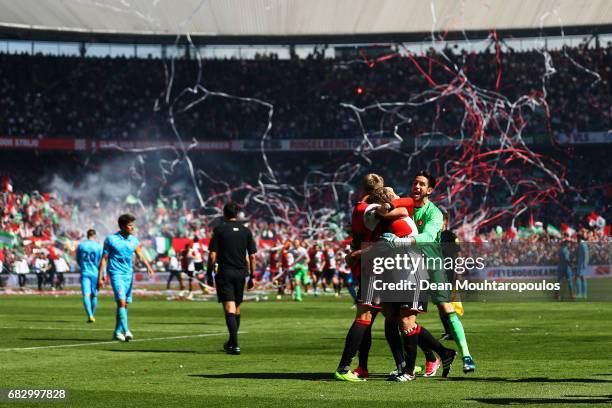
[429,221]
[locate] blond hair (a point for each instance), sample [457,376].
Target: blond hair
[372,182]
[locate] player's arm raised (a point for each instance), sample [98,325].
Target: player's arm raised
[144,261]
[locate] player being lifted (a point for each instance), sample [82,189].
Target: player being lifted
[118,260]
[88,254]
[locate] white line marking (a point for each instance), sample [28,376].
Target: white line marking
[68,328]
[115,342]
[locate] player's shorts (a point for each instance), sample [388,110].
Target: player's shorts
[371,303]
[122,287]
[439,295]
[198,266]
[580,272]
[300,274]
[328,274]
[347,278]
[230,286]
[89,285]
[564,273]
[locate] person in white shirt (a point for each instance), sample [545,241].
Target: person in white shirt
[21,268]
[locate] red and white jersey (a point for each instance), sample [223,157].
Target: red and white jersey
[286,259]
[273,261]
[341,260]
[401,227]
[359,232]
[404,227]
[316,260]
[195,252]
[405,202]
[358,226]
[330,259]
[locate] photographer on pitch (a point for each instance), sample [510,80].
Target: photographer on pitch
[233,249]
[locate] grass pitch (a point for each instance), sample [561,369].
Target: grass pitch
[535,354]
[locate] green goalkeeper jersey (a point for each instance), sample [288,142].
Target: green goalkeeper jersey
[428,220]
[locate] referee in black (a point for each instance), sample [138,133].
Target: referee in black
[233,249]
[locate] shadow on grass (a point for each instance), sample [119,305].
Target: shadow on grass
[47,321]
[531,380]
[177,323]
[270,376]
[58,339]
[570,399]
[153,351]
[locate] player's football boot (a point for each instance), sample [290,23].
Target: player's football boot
[396,372]
[361,373]
[404,377]
[418,370]
[447,361]
[226,346]
[235,350]
[348,376]
[129,336]
[118,336]
[469,366]
[91,319]
[431,367]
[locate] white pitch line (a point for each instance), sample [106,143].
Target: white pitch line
[83,329]
[114,342]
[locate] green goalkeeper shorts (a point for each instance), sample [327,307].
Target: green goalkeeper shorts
[300,274]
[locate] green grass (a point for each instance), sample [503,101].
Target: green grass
[532,354]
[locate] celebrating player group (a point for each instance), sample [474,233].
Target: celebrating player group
[406,223]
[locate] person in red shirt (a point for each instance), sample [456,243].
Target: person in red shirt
[286,260]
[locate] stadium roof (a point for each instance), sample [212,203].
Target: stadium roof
[243,18]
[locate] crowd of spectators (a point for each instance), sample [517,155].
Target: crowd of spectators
[124,99]
[120,99]
[39,233]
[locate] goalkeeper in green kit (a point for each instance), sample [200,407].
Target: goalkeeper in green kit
[429,219]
